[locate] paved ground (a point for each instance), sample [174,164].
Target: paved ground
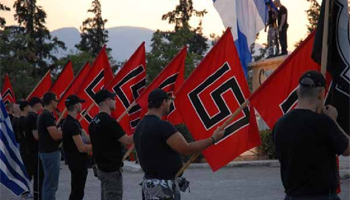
[247,183]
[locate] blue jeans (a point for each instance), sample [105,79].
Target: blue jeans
[51,165]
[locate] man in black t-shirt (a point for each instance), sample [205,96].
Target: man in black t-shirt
[107,137]
[307,140]
[75,148]
[282,26]
[49,139]
[34,165]
[159,145]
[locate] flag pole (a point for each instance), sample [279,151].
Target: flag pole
[61,116]
[126,111]
[118,120]
[223,126]
[48,71]
[87,111]
[325,39]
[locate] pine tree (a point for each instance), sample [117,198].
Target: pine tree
[31,19]
[93,34]
[13,61]
[166,44]
[313,13]
[2,20]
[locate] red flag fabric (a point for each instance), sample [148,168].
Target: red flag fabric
[63,80]
[7,92]
[278,94]
[42,87]
[97,78]
[74,86]
[214,90]
[170,79]
[128,84]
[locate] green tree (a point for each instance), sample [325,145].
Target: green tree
[166,44]
[2,20]
[93,34]
[13,61]
[31,19]
[313,13]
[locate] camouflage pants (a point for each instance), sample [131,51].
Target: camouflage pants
[156,189]
[272,41]
[111,185]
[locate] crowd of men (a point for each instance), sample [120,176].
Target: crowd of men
[307,140]
[40,137]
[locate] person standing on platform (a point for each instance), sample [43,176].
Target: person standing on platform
[282,26]
[272,34]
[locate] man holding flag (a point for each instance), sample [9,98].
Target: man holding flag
[159,145]
[107,137]
[307,142]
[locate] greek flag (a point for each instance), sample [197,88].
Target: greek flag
[12,171]
[246,19]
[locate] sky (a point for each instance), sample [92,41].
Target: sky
[148,13]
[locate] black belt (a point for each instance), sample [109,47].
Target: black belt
[157,177]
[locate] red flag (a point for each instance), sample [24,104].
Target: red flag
[128,84]
[42,87]
[7,92]
[63,80]
[98,77]
[278,94]
[74,86]
[216,89]
[170,79]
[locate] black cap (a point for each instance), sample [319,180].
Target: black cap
[23,104]
[73,99]
[34,101]
[103,95]
[157,95]
[312,79]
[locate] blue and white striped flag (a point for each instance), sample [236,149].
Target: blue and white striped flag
[12,171]
[246,19]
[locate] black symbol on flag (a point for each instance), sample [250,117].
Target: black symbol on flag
[6,94]
[170,81]
[231,85]
[290,102]
[135,89]
[87,117]
[91,89]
